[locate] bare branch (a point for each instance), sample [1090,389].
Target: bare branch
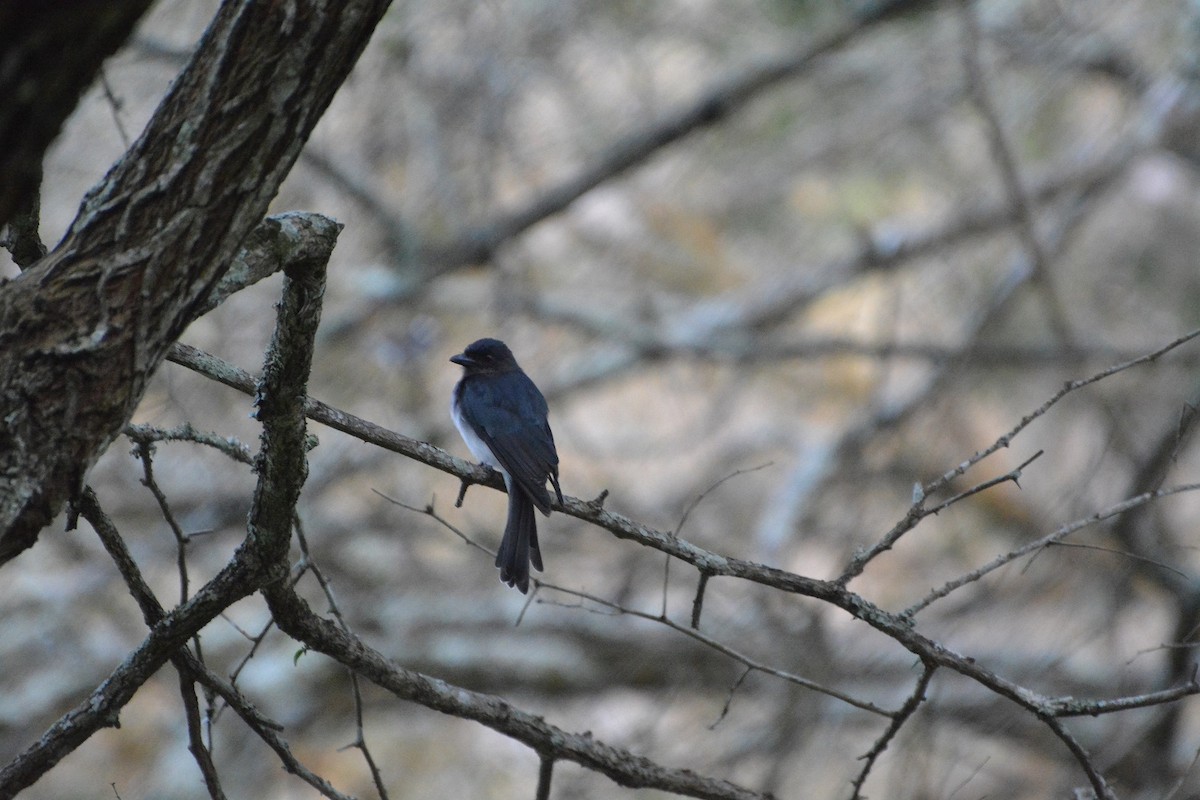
[1124,554]
[1099,784]
[101,708]
[148,434]
[698,499]
[200,753]
[281,464]
[708,641]
[898,719]
[917,512]
[431,512]
[144,452]
[360,739]
[698,600]
[1070,707]
[1068,388]
[729,697]
[1040,544]
[621,766]
[152,611]
[22,237]
[545,773]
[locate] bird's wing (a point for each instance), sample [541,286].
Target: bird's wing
[509,414]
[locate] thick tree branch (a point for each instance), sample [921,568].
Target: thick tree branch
[291,240]
[83,329]
[281,464]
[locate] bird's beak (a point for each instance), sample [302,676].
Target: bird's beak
[462,360]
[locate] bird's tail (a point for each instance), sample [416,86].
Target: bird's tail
[519,547]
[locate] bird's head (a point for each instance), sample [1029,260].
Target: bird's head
[484,356]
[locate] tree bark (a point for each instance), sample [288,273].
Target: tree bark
[82,330]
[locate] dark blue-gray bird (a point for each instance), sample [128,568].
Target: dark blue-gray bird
[502,418]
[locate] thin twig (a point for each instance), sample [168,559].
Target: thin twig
[1013,475]
[898,719]
[698,499]
[729,697]
[1082,757]
[145,452]
[1183,778]
[116,105]
[724,649]
[1068,388]
[199,751]
[360,740]
[230,446]
[1039,544]
[1124,554]
[1069,707]
[432,513]
[916,511]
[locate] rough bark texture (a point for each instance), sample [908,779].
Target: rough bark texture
[83,329]
[49,54]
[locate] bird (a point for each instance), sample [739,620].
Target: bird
[503,419]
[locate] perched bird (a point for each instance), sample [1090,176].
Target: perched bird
[502,418]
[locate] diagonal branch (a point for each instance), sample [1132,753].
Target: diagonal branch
[238,579]
[550,742]
[898,719]
[83,329]
[1052,538]
[745,660]
[152,612]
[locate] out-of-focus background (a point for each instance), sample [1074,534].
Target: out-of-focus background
[873,264]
